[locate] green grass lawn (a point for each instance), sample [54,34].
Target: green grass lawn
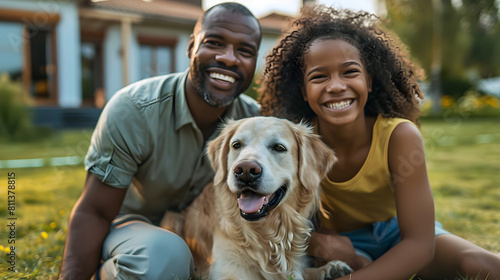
[463,162]
[60,144]
[463,158]
[44,199]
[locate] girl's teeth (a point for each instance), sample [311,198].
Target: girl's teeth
[219,76]
[339,105]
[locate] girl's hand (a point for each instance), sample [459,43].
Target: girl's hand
[325,247]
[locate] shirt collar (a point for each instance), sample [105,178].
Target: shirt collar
[182,114]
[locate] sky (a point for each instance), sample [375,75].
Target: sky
[291,7]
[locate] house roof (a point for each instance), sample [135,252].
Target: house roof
[175,12]
[275,23]
[170,11]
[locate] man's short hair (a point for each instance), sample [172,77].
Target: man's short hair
[233,7]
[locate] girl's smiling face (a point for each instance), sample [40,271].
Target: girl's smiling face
[336,83]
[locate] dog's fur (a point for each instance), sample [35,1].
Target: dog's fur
[227,246]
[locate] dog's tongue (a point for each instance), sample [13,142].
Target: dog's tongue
[251,203]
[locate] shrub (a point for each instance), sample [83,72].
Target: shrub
[252,90]
[15,119]
[471,104]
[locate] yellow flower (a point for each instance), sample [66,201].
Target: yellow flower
[493,102]
[7,250]
[53,225]
[1,248]
[44,235]
[447,101]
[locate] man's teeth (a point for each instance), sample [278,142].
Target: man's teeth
[339,105]
[222,77]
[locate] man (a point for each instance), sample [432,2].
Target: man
[147,154]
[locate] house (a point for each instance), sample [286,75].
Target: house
[71,56]
[490,86]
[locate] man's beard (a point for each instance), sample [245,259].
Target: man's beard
[212,99]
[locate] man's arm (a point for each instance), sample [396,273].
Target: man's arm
[89,224]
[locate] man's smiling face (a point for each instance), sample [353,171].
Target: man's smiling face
[223,53]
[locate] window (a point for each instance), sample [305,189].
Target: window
[28,53]
[157,56]
[92,69]
[11,50]
[42,67]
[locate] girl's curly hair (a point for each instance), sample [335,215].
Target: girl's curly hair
[395,91]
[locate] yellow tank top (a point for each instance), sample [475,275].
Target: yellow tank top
[368,197]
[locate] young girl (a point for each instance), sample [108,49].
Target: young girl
[356,86]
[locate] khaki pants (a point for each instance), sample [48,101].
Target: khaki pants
[136,249]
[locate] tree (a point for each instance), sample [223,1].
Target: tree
[482,21]
[450,39]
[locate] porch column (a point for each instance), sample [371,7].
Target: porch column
[126,30]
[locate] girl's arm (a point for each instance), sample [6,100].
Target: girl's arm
[415,210]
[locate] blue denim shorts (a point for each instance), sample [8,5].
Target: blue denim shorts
[373,241]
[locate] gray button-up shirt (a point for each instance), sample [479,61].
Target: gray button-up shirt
[147,140]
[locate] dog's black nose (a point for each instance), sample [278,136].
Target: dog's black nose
[247,171]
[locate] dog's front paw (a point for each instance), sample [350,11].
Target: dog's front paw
[337,269]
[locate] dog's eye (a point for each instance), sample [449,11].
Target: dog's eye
[279,148]
[236,145]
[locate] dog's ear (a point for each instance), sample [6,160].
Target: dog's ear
[315,158]
[219,148]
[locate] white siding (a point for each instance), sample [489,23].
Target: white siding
[112,61]
[68,60]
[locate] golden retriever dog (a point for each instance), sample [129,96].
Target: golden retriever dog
[253,222]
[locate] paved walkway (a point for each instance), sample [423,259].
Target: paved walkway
[41,162]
